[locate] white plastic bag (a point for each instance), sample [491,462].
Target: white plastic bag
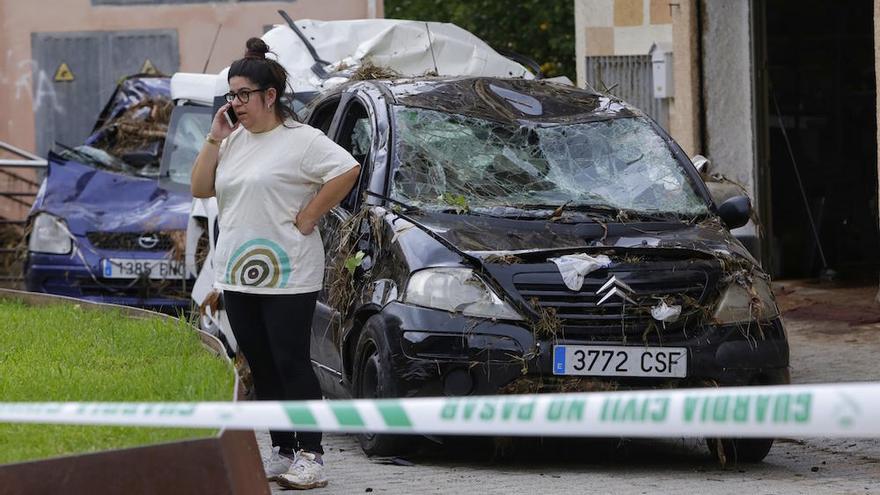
[665,313]
[574,267]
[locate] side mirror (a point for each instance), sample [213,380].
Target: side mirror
[701,163]
[736,211]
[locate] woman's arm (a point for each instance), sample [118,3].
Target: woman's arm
[329,196]
[202,178]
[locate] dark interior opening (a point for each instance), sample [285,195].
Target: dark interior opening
[820,61]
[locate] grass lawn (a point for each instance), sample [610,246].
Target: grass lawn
[68,353]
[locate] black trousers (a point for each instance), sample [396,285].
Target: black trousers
[273,332]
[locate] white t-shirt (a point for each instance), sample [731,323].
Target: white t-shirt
[262,181]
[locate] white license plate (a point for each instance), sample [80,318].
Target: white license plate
[615,360]
[133,268]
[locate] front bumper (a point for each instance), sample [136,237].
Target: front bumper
[436,353]
[67,275]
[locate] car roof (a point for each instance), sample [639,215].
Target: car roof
[512,100]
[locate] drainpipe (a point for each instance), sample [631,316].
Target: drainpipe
[701,100]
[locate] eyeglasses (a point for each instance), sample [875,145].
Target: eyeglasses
[243,95]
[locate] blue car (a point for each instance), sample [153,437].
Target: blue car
[107,224]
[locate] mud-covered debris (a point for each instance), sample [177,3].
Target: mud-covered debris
[547,325]
[178,244]
[369,71]
[344,260]
[12,238]
[633,259]
[504,259]
[140,129]
[246,379]
[547,384]
[211,302]
[722,188]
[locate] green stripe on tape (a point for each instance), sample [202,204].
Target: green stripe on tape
[394,415]
[346,414]
[300,415]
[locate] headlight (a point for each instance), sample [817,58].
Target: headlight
[49,235]
[740,305]
[457,290]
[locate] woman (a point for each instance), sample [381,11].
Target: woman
[274,178]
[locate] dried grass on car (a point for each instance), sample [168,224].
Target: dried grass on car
[341,287]
[138,128]
[369,71]
[547,325]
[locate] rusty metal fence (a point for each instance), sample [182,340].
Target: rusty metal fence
[629,77]
[17,191]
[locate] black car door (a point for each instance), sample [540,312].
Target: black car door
[351,128]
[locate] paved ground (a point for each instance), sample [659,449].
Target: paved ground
[835,336]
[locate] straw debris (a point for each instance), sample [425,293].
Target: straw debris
[504,259]
[547,325]
[341,286]
[141,128]
[369,71]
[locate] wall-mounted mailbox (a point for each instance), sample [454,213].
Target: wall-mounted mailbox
[661,61]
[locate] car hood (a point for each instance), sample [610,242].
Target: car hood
[90,199]
[484,236]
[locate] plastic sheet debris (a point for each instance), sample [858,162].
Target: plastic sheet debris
[397,47]
[666,313]
[574,267]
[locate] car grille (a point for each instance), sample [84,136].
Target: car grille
[130,241]
[582,316]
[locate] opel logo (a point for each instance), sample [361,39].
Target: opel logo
[148,241]
[614,287]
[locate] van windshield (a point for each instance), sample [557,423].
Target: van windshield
[619,163]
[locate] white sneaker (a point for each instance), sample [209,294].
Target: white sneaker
[277,464]
[305,473]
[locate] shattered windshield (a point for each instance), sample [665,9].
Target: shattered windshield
[620,163]
[189,125]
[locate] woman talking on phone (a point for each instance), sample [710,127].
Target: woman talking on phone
[274,178]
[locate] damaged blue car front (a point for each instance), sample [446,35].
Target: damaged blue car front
[102,227]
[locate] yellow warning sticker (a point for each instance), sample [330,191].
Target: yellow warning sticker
[149,68]
[63,74]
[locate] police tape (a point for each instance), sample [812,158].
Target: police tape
[849,410]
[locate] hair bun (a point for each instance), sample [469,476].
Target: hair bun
[256,48]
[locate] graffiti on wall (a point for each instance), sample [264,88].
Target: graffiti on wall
[32,83]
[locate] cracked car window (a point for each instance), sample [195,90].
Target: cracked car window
[621,163]
[360,137]
[187,139]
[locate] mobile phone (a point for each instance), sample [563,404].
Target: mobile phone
[231,118]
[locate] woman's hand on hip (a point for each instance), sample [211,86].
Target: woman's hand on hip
[305,223]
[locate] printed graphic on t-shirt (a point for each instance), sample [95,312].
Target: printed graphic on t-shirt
[262,181]
[258,263]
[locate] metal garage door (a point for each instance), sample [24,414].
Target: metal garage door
[630,78]
[76,73]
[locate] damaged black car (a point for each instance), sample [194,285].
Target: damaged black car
[519,236]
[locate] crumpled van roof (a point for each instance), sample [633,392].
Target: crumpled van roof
[406,48]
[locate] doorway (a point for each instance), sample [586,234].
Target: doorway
[818,70]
